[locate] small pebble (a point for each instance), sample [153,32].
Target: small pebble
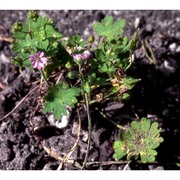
[168,66]
[85,136]
[149,28]
[137,22]
[178,49]
[172,47]
[4,59]
[5,151]
[75,128]
[59,123]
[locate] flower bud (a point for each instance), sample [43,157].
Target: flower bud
[33,15]
[87,87]
[71,75]
[17,26]
[24,50]
[68,65]
[79,61]
[91,39]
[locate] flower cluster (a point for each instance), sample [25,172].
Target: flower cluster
[38,60]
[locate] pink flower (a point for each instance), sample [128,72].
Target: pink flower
[38,60]
[83,56]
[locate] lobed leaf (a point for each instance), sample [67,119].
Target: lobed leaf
[108,28]
[119,150]
[59,97]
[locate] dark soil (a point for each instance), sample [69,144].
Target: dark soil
[26,133]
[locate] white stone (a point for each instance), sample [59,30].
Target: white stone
[137,22]
[172,47]
[62,123]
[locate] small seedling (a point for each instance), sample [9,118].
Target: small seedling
[141,138]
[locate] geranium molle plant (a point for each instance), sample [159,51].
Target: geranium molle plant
[86,68]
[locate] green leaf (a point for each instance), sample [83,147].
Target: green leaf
[58,98]
[125,96]
[87,87]
[148,156]
[124,41]
[36,34]
[119,150]
[108,28]
[145,124]
[138,140]
[134,41]
[129,82]
[134,125]
[154,129]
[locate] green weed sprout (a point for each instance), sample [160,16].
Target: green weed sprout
[141,138]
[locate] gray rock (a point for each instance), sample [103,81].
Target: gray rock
[5,151]
[99,136]
[50,166]
[173,47]
[93,155]
[20,162]
[170,65]
[178,49]
[153,167]
[84,136]
[4,59]
[106,151]
[149,28]
[75,128]
[61,145]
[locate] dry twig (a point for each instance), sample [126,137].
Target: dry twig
[67,156]
[6,39]
[146,47]
[20,102]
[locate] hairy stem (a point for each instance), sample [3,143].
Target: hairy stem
[146,47]
[111,121]
[44,77]
[86,95]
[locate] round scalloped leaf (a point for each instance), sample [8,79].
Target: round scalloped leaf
[154,144]
[132,132]
[120,151]
[145,124]
[135,125]
[148,155]
[125,136]
[154,129]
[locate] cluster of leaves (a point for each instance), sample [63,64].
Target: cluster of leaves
[142,138]
[104,72]
[36,34]
[113,56]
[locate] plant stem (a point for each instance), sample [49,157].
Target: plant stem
[44,77]
[111,121]
[146,46]
[87,102]
[86,95]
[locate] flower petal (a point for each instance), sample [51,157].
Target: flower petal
[85,55]
[40,66]
[43,60]
[40,54]
[32,57]
[34,64]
